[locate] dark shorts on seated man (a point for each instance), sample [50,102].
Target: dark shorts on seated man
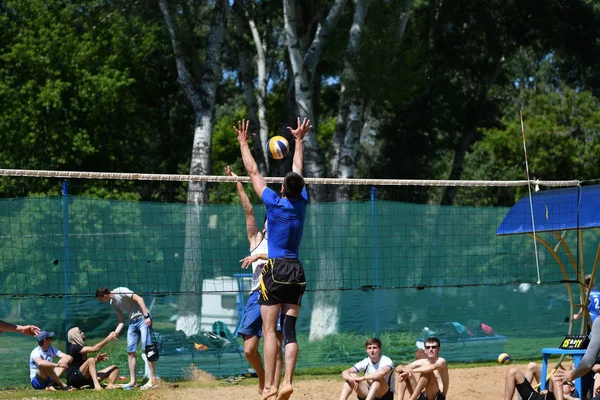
[388,396]
[76,379]
[40,383]
[438,396]
[528,393]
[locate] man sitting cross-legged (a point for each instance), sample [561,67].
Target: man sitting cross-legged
[433,381]
[82,370]
[515,380]
[378,379]
[42,371]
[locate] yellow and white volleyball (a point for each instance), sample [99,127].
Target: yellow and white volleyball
[278,147]
[504,358]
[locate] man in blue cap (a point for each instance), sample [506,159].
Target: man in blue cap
[42,371]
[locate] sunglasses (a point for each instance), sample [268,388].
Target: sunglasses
[431,347]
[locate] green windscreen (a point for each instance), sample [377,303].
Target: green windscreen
[392,269]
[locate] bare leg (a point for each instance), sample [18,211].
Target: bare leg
[112,373]
[291,356]
[346,391]
[269,314]
[153,379]
[534,371]
[423,384]
[49,372]
[406,384]
[377,390]
[88,369]
[513,377]
[253,356]
[131,360]
[349,386]
[279,365]
[59,371]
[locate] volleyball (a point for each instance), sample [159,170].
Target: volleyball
[504,358]
[278,147]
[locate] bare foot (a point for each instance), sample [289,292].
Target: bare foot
[269,392]
[285,392]
[111,386]
[51,388]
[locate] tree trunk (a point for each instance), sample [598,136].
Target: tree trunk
[349,124]
[201,96]
[470,124]
[261,93]
[246,77]
[303,69]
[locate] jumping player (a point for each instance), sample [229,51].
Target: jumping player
[282,281]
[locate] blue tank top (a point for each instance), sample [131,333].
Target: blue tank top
[594,304]
[285,223]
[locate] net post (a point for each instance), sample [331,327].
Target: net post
[65,215]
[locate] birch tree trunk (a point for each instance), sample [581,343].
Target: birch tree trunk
[246,77]
[346,141]
[201,96]
[261,89]
[303,69]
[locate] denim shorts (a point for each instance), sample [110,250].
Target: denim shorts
[137,331]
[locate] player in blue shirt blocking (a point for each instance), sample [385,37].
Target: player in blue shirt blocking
[282,282]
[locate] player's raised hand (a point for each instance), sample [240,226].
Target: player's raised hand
[242,131]
[302,129]
[229,172]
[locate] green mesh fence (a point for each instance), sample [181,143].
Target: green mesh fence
[383,268]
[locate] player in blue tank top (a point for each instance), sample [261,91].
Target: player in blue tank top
[594,301]
[282,281]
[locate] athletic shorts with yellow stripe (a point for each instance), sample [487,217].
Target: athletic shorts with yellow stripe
[282,282]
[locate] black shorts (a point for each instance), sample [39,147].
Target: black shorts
[76,379]
[388,396]
[438,396]
[528,393]
[282,282]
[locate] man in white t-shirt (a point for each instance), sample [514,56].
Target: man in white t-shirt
[125,301]
[42,371]
[377,381]
[251,326]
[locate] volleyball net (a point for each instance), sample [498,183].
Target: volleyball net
[382,258]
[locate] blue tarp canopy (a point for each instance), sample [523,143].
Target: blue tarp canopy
[554,210]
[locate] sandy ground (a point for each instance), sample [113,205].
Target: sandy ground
[465,384]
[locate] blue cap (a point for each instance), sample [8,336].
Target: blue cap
[43,335]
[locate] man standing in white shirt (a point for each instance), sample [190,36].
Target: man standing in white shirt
[125,301]
[378,381]
[42,371]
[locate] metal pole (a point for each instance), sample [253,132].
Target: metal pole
[375,258]
[66,287]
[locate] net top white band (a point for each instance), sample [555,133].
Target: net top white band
[325,181]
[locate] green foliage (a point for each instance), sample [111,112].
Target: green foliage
[562,137]
[80,88]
